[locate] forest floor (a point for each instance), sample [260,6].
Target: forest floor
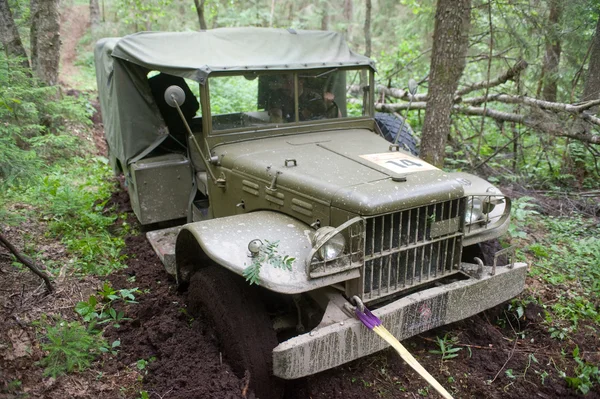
[502,354]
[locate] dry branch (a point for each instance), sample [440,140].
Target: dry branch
[510,74]
[536,120]
[21,258]
[543,115]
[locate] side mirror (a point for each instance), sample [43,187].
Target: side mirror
[412,86]
[174,96]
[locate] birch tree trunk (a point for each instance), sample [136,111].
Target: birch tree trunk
[45,40]
[9,34]
[450,41]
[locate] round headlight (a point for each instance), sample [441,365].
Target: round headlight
[474,210]
[334,245]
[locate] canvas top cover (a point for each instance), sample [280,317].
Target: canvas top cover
[132,121]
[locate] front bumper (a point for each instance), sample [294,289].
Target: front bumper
[340,343]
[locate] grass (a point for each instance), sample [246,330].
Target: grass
[70,199]
[567,257]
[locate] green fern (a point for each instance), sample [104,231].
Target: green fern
[70,347]
[267,255]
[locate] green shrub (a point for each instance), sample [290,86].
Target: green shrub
[35,117]
[70,347]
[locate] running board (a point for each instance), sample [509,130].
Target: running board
[163,243]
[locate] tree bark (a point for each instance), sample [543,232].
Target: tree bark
[94,14]
[45,40]
[272,13]
[200,11]
[591,90]
[450,41]
[367,28]
[553,50]
[9,34]
[348,19]
[324,15]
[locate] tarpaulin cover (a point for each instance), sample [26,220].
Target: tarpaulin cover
[132,121]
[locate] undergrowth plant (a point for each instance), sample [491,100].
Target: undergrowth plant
[585,374]
[72,200]
[36,121]
[568,258]
[102,312]
[446,350]
[69,346]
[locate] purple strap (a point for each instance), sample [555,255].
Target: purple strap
[367,318]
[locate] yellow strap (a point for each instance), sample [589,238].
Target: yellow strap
[412,362]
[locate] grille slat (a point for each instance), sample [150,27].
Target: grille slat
[400,251]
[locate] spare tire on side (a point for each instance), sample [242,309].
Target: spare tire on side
[390,126]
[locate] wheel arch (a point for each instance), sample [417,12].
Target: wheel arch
[224,241]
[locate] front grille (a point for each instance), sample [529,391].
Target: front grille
[412,247]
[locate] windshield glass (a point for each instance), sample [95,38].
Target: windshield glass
[257,100]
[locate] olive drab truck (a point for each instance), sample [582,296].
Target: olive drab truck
[273,193]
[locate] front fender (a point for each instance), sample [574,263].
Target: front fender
[224,241]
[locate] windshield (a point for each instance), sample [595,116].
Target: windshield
[257,100]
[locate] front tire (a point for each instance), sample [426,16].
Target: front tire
[242,324]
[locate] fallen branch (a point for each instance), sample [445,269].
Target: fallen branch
[535,122]
[28,263]
[547,105]
[510,74]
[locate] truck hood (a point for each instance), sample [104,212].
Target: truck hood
[353,170]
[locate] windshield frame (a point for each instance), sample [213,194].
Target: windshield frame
[292,127]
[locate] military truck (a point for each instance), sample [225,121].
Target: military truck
[289,197]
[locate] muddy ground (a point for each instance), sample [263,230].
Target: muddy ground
[502,356]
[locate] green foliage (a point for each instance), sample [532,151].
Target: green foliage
[104,312]
[72,198]
[142,364]
[522,210]
[233,94]
[34,121]
[447,350]
[267,255]
[142,15]
[69,347]
[568,257]
[586,374]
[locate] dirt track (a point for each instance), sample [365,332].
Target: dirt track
[188,361]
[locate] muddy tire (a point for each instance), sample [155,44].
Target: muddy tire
[390,126]
[243,326]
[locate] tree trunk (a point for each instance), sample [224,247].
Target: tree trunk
[450,41]
[45,40]
[324,15]
[553,50]
[200,11]
[368,28]
[591,91]
[94,14]
[9,34]
[348,19]
[272,13]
